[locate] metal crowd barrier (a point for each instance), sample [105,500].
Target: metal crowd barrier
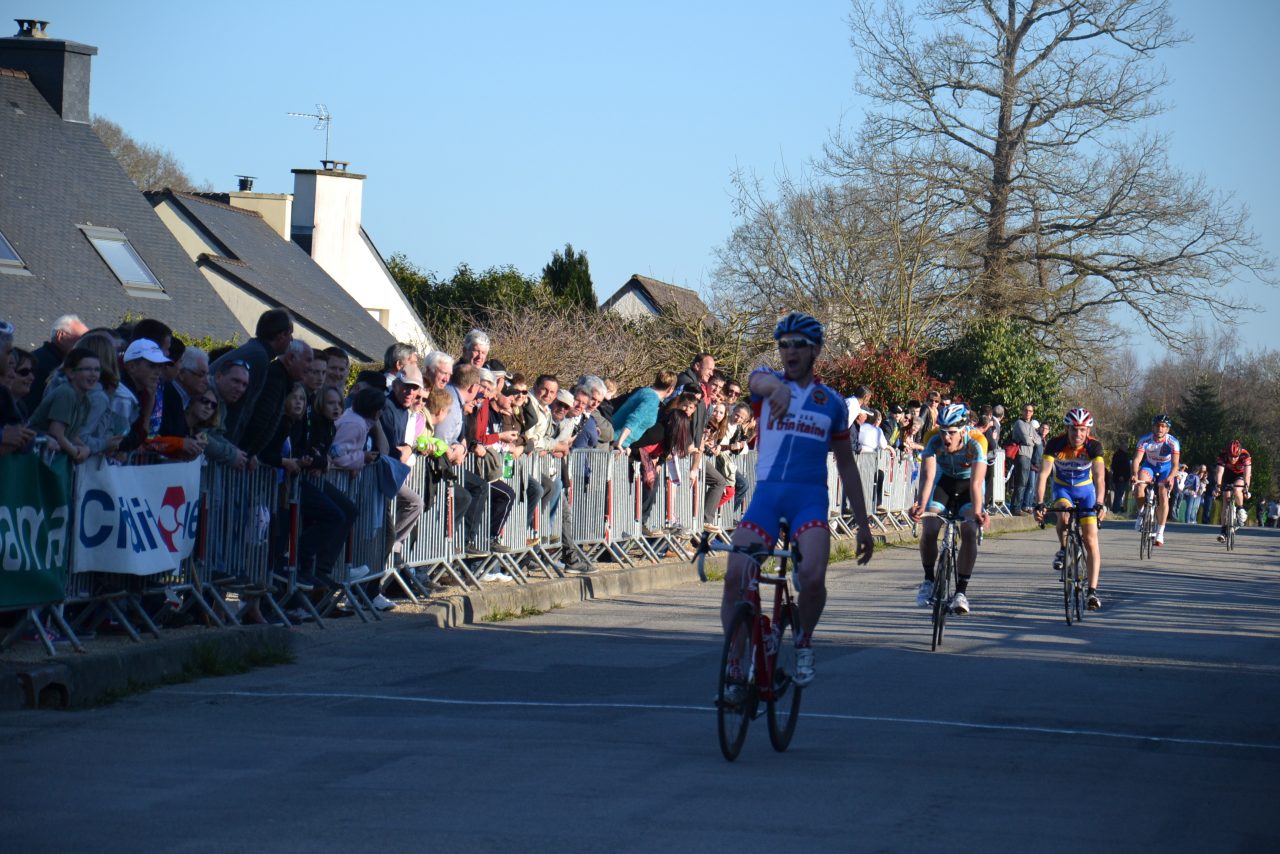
[997,498]
[250,524]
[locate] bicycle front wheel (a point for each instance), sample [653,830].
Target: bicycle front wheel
[1068,577]
[943,586]
[1079,572]
[1148,531]
[784,702]
[736,700]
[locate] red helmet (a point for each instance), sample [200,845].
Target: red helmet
[1234,448]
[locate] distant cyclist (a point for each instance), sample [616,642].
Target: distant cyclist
[1157,455]
[1074,460]
[953,473]
[799,421]
[1234,470]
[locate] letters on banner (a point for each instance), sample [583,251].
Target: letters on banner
[35,528]
[138,520]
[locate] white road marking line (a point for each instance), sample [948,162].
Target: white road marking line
[656,707]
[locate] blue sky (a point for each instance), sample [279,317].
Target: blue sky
[495,131]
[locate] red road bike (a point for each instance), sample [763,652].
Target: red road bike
[758,660]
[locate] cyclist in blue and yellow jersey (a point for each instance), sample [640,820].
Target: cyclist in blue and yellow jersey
[953,472]
[1074,460]
[800,420]
[1157,456]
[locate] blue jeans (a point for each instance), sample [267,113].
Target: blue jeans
[1192,507]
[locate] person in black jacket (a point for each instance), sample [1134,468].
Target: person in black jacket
[67,330]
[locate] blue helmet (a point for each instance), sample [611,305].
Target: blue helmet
[798,323]
[955,415]
[1162,419]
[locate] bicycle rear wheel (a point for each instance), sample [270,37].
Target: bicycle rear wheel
[733,717]
[784,706]
[943,586]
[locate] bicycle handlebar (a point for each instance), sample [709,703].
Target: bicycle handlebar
[756,551]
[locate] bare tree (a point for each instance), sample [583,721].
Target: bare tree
[865,253]
[148,166]
[1026,116]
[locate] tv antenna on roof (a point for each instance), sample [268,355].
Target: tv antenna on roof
[323,120]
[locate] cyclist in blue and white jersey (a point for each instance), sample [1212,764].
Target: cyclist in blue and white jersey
[1074,460]
[800,420]
[1157,456]
[953,473]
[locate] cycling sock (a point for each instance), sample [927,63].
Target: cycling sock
[1093,591]
[802,640]
[962,583]
[928,572]
[1160,530]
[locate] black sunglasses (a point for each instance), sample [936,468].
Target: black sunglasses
[793,345]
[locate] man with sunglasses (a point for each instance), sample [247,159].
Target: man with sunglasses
[16,434]
[800,421]
[953,470]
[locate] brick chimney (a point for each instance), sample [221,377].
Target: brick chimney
[59,69]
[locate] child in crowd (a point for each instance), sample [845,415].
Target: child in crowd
[64,411]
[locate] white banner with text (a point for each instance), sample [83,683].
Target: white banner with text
[138,520]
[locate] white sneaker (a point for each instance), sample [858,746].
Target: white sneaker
[924,594]
[959,604]
[1160,539]
[804,667]
[1242,517]
[382,603]
[357,572]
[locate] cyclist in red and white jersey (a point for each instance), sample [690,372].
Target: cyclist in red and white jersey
[800,421]
[1234,469]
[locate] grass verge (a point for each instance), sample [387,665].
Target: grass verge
[526,611]
[207,659]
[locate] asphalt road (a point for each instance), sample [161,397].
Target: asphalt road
[1151,727]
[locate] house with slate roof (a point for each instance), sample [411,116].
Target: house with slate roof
[643,297]
[252,268]
[325,220]
[76,236]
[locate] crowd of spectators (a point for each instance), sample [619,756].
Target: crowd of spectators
[277,402]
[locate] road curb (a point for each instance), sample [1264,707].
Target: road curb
[79,680]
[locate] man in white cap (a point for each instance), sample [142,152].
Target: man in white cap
[142,363]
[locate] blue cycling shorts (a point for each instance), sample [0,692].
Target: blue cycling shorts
[1158,472]
[803,505]
[1082,495]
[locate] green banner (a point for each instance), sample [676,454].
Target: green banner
[35,530]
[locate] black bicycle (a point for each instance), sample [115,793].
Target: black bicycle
[1231,513]
[758,660]
[944,575]
[1074,568]
[1148,529]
